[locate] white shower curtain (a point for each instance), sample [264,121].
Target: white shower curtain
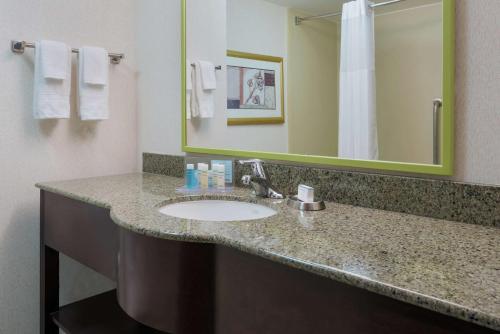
[357,109]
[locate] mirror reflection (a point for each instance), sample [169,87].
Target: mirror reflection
[348,79]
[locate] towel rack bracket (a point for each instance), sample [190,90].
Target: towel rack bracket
[17,46]
[116,59]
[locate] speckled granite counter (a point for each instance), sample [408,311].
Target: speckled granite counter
[452,268]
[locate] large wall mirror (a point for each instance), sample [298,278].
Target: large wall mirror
[366,84]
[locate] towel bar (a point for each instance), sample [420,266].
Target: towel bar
[19,47]
[217,68]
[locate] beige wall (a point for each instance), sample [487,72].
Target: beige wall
[33,151]
[312,87]
[477,85]
[408,56]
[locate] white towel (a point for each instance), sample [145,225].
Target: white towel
[189,88]
[92,98]
[95,69]
[51,97]
[204,102]
[54,59]
[208,79]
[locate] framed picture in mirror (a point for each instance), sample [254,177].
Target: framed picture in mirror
[255,92]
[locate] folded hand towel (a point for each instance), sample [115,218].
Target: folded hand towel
[195,110]
[51,97]
[95,68]
[204,104]
[189,88]
[209,81]
[54,56]
[92,98]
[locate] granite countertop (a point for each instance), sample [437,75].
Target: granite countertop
[449,267]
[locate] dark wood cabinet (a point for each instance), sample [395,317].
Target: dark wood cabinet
[176,287]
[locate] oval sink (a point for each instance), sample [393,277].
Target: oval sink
[217,210]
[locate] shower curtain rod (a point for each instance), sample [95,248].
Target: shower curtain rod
[299,20]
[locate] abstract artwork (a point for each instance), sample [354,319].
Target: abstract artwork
[254,89]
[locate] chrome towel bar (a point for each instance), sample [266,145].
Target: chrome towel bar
[217,68]
[20,46]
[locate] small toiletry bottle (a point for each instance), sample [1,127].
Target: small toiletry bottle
[211,178]
[190,176]
[203,175]
[220,178]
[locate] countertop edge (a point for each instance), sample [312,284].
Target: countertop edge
[88,200]
[404,295]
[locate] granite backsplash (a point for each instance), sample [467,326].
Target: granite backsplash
[463,202]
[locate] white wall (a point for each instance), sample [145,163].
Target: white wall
[477,110]
[253,26]
[158,60]
[477,98]
[257,26]
[206,33]
[32,151]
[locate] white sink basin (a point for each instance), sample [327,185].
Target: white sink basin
[217,210]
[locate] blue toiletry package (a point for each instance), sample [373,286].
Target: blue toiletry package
[228,169]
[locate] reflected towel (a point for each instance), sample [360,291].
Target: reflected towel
[208,79]
[204,100]
[189,88]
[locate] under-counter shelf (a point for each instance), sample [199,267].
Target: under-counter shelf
[99,314]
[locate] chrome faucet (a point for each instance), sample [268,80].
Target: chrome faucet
[259,180]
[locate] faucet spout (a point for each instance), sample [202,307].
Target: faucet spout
[259,180]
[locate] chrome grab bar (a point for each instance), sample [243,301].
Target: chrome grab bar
[436,133]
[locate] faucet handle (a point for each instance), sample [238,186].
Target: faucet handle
[250,162]
[258,169]
[246,180]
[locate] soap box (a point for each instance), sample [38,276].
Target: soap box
[305,193]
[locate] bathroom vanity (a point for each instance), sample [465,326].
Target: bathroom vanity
[342,270]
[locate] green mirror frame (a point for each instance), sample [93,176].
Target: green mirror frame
[447,117]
